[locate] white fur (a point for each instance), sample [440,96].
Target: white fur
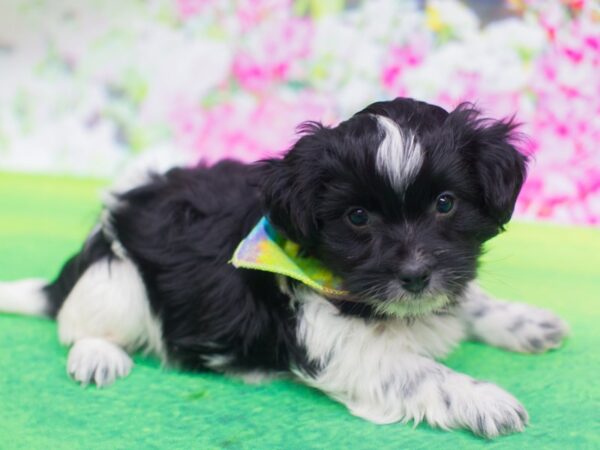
[218,362]
[385,372]
[254,376]
[23,297]
[513,326]
[399,156]
[110,302]
[412,307]
[107,313]
[404,304]
[326,333]
[97,360]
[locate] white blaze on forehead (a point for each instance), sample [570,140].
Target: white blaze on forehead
[399,156]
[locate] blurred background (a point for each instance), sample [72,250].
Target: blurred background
[86,86]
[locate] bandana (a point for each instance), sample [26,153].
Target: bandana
[265,249]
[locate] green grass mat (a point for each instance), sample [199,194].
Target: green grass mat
[43,220]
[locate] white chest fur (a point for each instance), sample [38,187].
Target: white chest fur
[362,362]
[328,335]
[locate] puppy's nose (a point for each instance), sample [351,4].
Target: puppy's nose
[416,281]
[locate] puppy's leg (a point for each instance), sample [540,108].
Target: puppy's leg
[403,387]
[98,361]
[420,389]
[24,297]
[105,316]
[380,372]
[513,326]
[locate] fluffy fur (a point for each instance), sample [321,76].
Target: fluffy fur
[155,274]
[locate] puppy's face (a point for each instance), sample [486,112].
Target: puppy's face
[398,200]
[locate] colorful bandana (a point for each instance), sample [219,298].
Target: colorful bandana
[265,249]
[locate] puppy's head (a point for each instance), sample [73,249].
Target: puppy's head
[398,199]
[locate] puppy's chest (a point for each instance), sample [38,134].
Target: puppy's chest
[324,332]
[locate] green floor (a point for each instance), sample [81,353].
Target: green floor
[43,220]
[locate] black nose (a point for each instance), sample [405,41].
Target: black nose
[415,282]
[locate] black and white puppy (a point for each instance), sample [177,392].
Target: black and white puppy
[397,201]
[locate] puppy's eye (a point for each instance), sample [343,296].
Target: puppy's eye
[358,217]
[444,203]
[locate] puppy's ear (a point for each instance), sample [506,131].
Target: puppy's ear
[289,186]
[490,148]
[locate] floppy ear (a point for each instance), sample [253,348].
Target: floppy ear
[500,168]
[289,186]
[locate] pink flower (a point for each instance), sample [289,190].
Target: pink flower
[275,57]
[244,131]
[190,8]
[252,13]
[398,60]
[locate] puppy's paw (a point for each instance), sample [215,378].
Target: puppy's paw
[447,400]
[496,412]
[488,411]
[97,361]
[538,330]
[519,327]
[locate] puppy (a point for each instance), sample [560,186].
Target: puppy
[396,202]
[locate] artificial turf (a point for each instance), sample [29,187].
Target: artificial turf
[44,219]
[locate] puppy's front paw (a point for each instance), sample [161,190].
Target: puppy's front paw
[487,410]
[518,327]
[97,361]
[450,400]
[484,408]
[419,388]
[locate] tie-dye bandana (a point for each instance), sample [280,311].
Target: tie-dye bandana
[265,249]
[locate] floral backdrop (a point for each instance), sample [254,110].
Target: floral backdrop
[87,86]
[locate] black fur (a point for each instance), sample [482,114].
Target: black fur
[309,191]
[181,229]
[95,249]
